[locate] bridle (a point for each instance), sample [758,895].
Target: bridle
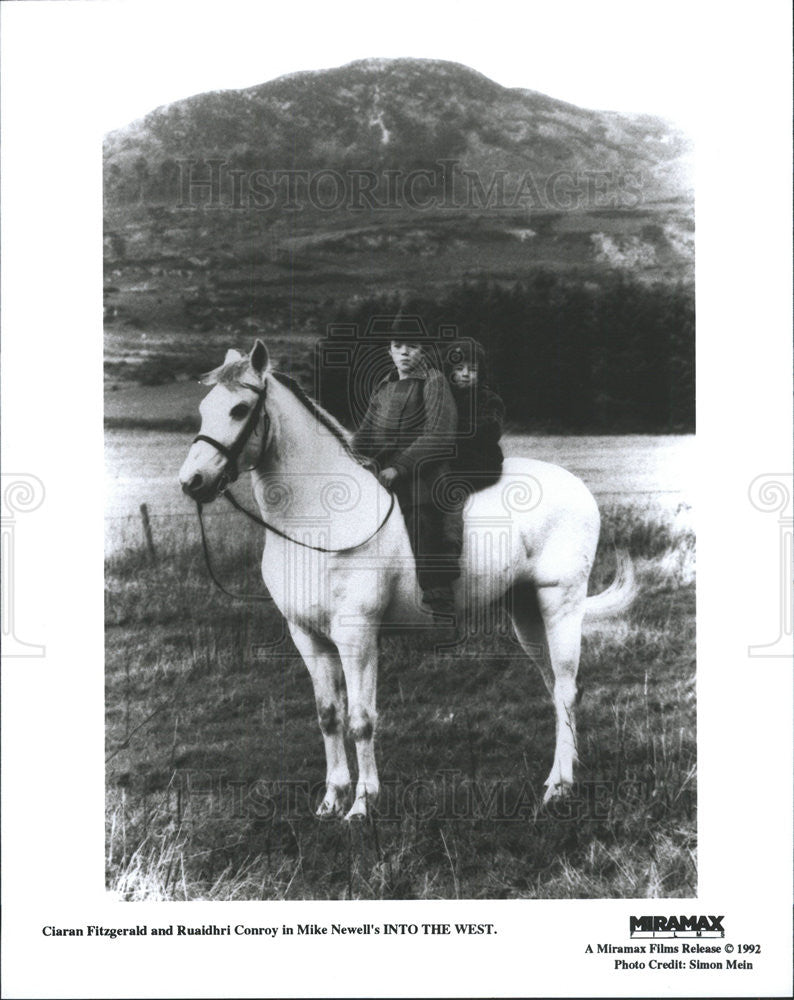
[232,472]
[232,453]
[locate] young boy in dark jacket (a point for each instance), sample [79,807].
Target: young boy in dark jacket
[408,432]
[478,455]
[481,415]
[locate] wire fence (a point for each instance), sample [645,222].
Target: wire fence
[150,529]
[221,512]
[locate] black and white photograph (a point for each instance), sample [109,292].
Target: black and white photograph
[397,542]
[446,352]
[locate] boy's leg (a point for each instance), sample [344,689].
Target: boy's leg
[452,529]
[436,562]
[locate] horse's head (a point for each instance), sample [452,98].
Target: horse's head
[234,425]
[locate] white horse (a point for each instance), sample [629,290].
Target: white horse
[339,565]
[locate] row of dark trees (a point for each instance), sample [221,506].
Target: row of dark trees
[615,356]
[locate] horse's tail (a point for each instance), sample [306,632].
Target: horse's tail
[619,594]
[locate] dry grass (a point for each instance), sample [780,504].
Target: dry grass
[215,759]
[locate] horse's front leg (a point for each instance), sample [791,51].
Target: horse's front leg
[360,663]
[322,659]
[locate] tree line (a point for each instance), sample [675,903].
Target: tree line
[566,355]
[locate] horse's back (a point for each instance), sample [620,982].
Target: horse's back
[537,524]
[538,519]
[529,486]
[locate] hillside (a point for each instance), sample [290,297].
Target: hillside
[263,209]
[390,114]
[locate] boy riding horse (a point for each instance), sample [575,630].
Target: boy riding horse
[408,432]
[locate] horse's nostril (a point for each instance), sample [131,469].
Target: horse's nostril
[194,484]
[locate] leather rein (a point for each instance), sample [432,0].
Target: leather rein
[231,473]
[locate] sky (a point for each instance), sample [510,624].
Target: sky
[611,55]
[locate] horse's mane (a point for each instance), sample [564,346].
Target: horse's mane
[233,374]
[323,416]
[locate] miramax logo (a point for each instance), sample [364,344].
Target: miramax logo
[653,926]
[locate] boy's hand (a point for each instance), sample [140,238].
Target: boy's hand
[388,477]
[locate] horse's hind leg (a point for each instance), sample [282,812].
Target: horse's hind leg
[325,668]
[550,630]
[528,624]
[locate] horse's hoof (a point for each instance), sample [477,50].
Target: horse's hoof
[358,812]
[331,807]
[332,804]
[557,792]
[328,811]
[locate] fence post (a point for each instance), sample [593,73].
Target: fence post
[147,531]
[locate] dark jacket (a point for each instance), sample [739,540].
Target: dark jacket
[479,457]
[410,426]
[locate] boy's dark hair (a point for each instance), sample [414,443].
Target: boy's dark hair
[465,351]
[404,328]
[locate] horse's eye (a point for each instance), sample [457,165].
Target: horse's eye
[239,411]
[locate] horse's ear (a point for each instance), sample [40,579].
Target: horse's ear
[209,378]
[259,358]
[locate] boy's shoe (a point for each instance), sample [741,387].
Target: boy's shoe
[438,602]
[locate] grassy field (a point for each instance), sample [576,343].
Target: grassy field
[215,760]
[181,284]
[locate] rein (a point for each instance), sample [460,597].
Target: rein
[232,454]
[211,571]
[296,541]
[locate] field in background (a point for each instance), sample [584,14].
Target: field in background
[215,760]
[181,283]
[142,465]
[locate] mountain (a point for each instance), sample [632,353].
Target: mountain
[235,209]
[393,114]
